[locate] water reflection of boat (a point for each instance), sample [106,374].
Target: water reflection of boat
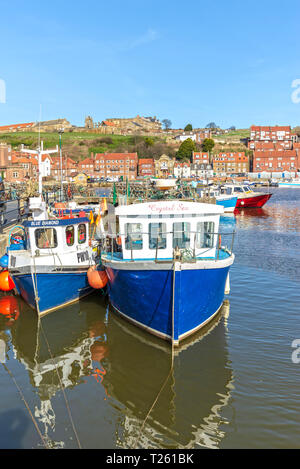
[132,366]
[58,351]
[254,212]
[187,413]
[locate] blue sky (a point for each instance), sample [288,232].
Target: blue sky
[228,62]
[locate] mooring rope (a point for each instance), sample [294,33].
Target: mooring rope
[50,353]
[26,405]
[171,367]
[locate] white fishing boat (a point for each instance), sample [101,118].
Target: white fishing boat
[49,262]
[164,184]
[167,271]
[294,182]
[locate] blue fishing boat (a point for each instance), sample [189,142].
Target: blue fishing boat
[223,198]
[167,270]
[228,202]
[50,261]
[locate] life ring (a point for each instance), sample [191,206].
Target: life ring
[16,239]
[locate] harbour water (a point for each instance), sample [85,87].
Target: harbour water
[82,377]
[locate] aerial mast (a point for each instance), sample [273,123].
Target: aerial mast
[39,152]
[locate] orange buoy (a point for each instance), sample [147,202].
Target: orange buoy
[6,282]
[9,307]
[96,278]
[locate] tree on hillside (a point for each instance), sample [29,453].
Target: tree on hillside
[211,125]
[186,149]
[149,141]
[232,127]
[188,128]
[208,144]
[167,123]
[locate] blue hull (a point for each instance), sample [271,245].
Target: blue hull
[146,298]
[54,290]
[229,204]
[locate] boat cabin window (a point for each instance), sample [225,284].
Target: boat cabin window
[181,235]
[133,236]
[238,189]
[81,233]
[45,238]
[205,234]
[70,235]
[226,190]
[157,235]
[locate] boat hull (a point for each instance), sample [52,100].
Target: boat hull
[229,203]
[170,303]
[54,290]
[258,200]
[289,184]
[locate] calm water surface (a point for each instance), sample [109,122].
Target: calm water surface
[233,386]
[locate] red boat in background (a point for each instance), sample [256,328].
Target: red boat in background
[247,197]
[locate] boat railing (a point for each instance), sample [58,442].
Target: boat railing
[188,254]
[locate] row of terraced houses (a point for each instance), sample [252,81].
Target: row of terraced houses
[276,151]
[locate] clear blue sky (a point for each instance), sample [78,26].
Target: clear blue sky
[229,62]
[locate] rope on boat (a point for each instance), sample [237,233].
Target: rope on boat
[26,405]
[171,367]
[50,353]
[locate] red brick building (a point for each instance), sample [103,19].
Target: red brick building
[226,163]
[276,161]
[16,127]
[282,134]
[114,165]
[200,157]
[146,167]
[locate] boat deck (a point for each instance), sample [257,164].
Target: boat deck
[118,256]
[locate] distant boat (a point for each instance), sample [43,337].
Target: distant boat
[295,182]
[164,184]
[169,272]
[246,197]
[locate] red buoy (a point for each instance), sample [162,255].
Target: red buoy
[96,278]
[6,283]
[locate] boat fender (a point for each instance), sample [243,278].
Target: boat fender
[97,278]
[4,261]
[6,282]
[220,241]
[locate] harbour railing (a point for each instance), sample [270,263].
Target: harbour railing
[13,211]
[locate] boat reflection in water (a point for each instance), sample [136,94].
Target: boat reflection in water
[87,345]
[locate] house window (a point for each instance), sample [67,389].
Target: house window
[15,175]
[157,236]
[45,238]
[133,236]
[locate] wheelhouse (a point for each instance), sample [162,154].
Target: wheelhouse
[46,237]
[157,230]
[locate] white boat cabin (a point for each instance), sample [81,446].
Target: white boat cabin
[155,230]
[235,189]
[56,236]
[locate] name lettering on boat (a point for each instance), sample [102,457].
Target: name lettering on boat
[172,208]
[82,256]
[45,223]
